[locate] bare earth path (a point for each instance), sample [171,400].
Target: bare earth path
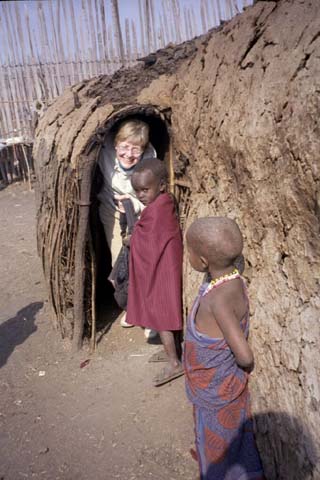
[57,421]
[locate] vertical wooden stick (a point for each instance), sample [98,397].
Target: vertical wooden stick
[128,42]
[117,29]
[93,342]
[94,46]
[104,38]
[134,40]
[171,169]
[27,164]
[78,63]
[154,26]
[203,17]
[143,48]
[80,248]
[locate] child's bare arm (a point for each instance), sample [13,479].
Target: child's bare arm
[229,324]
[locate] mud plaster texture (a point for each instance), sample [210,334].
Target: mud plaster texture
[242,107]
[58,421]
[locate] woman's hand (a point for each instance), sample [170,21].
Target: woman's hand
[119,199]
[126,241]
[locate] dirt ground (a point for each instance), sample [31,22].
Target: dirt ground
[60,421]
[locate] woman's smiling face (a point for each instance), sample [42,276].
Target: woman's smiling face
[128,153]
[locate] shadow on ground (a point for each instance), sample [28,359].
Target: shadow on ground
[277,436]
[282,458]
[17,329]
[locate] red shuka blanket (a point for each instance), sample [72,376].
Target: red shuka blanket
[155,269]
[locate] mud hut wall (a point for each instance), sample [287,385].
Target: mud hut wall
[250,104]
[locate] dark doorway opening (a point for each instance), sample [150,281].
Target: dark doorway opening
[106,308]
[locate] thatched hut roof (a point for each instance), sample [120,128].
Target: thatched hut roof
[237,112]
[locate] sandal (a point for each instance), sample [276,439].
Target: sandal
[165,377]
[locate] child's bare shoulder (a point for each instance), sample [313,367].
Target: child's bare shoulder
[227,296]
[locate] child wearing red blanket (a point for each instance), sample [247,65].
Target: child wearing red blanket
[155,269]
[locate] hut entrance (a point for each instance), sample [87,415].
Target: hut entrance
[106,309]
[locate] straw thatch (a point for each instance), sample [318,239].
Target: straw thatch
[237,115]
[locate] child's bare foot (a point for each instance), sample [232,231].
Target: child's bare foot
[167,374]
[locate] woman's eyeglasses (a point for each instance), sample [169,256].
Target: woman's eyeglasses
[134,151]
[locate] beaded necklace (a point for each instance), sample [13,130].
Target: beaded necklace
[215,282]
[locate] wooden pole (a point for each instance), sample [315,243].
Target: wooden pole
[186,25]
[117,30]
[153,26]
[24,84]
[203,17]
[104,37]
[128,42]
[27,165]
[177,20]
[216,16]
[4,127]
[113,57]
[146,10]
[78,64]
[69,64]
[10,81]
[171,21]
[94,46]
[87,41]
[46,54]
[207,14]
[228,9]
[84,176]
[161,33]
[166,23]
[17,163]
[36,91]
[134,40]
[171,169]
[14,110]
[193,21]
[142,29]
[93,264]
[4,106]
[61,77]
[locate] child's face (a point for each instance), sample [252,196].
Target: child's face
[147,186]
[128,153]
[196,262]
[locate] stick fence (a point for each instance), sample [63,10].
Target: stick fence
[49,45]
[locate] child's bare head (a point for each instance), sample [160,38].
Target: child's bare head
[217,241]
[149,179]
[155,166]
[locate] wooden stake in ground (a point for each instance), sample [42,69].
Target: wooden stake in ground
[27,165]
[80,249]
[93,342]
